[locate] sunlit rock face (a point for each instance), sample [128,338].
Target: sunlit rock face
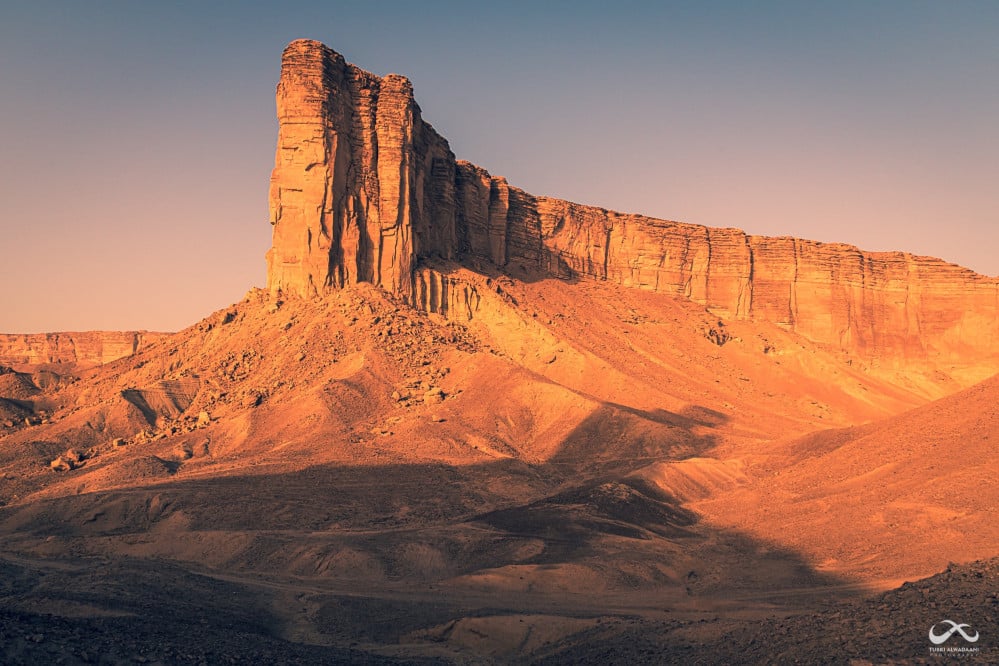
[85,349]
[362,187]
[363,190]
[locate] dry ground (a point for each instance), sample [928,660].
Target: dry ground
[577,474]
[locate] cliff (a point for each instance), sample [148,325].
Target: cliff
[361,185]
[364,190]
[80,349]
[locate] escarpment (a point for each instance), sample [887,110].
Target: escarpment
[85,349]
[364,190]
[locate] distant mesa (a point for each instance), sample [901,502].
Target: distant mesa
[81,350]
[364,190]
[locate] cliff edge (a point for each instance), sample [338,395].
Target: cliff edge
[364,190]
[82,350]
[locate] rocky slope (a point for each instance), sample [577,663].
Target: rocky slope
[349,479]
[364,190]
[918,477]
[80,349]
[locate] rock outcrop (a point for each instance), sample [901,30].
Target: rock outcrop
[364,190]
[79,349]
[361,187]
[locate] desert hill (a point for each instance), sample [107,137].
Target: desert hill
[466,424]
[916,490]
[375,475]
[364,190]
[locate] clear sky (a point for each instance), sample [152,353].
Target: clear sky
[137,138]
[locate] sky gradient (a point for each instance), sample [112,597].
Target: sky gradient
[138,137]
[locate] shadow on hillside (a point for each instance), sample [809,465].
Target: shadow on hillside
[621,438]
[382,529]
[379,551]
[373,553]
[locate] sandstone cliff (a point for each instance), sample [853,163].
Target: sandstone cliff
[80,349]
[364,190]
[361,185]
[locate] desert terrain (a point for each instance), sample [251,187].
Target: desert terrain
[465,424]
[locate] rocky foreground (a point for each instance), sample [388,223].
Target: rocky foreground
[208,622]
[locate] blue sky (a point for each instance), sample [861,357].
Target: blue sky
[138,137]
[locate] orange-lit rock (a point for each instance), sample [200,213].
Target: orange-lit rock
[361,185]
[364,190]
[82,349]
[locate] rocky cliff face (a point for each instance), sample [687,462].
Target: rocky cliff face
[364,190]
[362,187]
[80,349]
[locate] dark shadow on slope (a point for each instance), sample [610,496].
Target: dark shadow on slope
[14,411]
[125,607]
[379,553]
[376,550]
[567,522]
[132,610]
[138,400]
[618,438]
[891,627]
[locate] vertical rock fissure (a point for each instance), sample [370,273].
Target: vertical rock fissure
[607,246]
[792,304]
[744,309]
[363,190]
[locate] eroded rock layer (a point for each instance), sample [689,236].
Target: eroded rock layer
[363,190]
[85,349]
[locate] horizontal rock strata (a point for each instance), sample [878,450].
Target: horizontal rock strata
[85,349]
[364,190]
